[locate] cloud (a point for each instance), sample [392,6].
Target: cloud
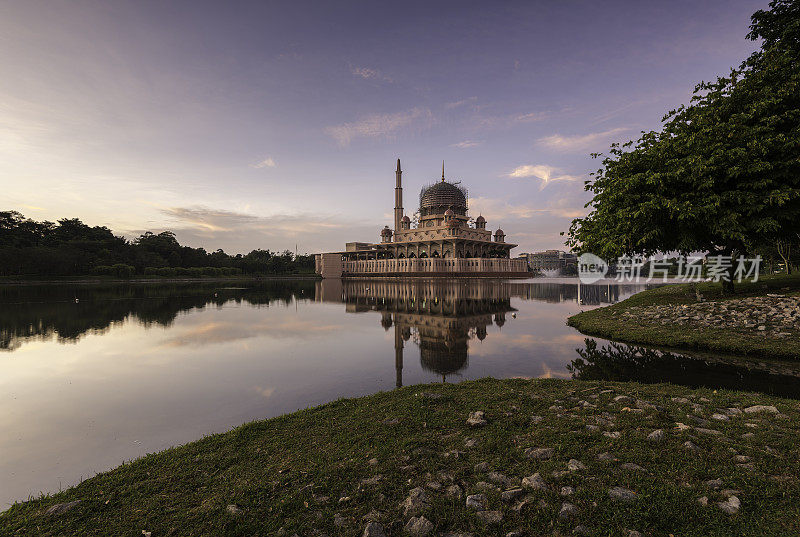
[268,162]
[497,209]
[547,174]
[378,125]
[462,102]
[533,116]
[581,142]
[368,73]
[466,144]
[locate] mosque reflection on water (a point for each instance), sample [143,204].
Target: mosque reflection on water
[442,316]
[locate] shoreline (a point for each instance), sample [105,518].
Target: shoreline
[95,280]
[547,455]
[758,320]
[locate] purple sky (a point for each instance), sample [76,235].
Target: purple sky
[244,125]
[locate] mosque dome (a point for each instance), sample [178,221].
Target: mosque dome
[437,198]
[448,212]
[499,232]
[480,219]
[406,219]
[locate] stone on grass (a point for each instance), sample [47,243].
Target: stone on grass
[232,509]
[416,502]
[712,432]
[622,494]
[477,419]
[534,482]
[719,417]
[575,465]
[511,495]
[470,442]
[567,491]
[761,408]
[497,477]
[476,501]
[714,483]
[339,521]
[633,467]
[539,453]
[373,462]
[453,491]
[731,505]
[482,467]
[612,434]
[374,480]
[491,517]
[656,436]
[61,508]
[633,533]
[623,399]
[373,529]
[567,510]
[419,526]
[372,516]
[691,446]
[741,458]
[703,500]
[606,457]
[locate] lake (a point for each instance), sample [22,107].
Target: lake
[94,375]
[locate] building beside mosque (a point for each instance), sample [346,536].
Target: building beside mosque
[442,241]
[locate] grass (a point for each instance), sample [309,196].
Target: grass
[603,322]
[302,473]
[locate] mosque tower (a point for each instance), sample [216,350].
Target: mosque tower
[398,200]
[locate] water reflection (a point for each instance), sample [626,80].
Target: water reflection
[640,364]
[112,372]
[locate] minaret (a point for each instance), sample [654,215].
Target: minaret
[443,171]
[398,201]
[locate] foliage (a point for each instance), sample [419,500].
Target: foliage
[72,248]
[723,174]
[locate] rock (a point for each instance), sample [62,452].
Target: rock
[232,509]
[373,462]
[761,408]
[419,526]
[476,501]
[373,529]
[416,502]
[433,485]
[481,467]
[567,510]
[622,494]
[741,458]
[691,446]
[470,442]
[477,419]
[515,533]
[731,505]
[339,521]
[632,533]
[575,465]
[454,491]
[539,453]
[680,400]
[372,516]
[681,426]
[497,477]
[720,417]
[623,399]
[656,436]
[703,500]
[510,495]
[714,483]
[606,457]
[534,482]
[491,517]
[374,480]
[536,419]
[631,467]
[567,491]
[612,434]
[483,485]
[61,508]
[712,432]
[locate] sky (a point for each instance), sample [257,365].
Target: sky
[277,125]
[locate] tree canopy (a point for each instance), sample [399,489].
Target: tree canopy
[723,173]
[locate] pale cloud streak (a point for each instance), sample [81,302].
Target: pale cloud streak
[595,141]
[368,73]
[268,162]
[462,102]
[379,125]
[466,144]
[547,174]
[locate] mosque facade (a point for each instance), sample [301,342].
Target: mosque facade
[441,241]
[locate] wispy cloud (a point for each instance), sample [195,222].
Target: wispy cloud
[533,116]
[594,141]
[268,162]
[214,220]
[378,125]
[498,209]
[369,73]
[547,174]
[466,144]
[462,102]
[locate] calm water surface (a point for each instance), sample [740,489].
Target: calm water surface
[93,375]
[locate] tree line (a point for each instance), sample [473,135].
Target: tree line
[70,247]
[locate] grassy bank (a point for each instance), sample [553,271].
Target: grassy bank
[610,322]
[160,279]
[329,470]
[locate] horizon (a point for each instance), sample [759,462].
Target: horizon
[270,126]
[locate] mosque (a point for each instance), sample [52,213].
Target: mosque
[443,241]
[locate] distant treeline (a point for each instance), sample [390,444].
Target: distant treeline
[71,248]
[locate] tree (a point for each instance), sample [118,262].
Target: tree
[722,175]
